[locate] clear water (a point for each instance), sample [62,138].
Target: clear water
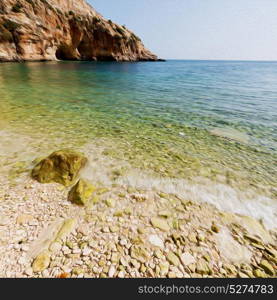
[177,119]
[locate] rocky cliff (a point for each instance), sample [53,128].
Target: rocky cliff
[64,29]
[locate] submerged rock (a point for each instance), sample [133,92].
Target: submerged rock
[61,166]
[231,134]
[81,192]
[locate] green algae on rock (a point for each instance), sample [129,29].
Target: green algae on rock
[61,167]
[81,192]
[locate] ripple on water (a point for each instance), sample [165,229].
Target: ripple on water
[131,116]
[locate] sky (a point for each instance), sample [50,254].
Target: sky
[199,29]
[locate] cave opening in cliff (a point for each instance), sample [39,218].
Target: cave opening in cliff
[106,58]
[85,50]
[64,53]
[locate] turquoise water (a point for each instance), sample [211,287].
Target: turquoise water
[179,119]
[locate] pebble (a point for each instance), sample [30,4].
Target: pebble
[123,262]
[66,251]
[41,262]
[112,271]
[187,259]
[25,248]
[45,273]
[22,260]
[202,267]
[55,247]
[23,219]
[110,203]
[160,224]
[156,241]
[86,251]
[173,259]
[192,237]
[4,220]
[259,273]
[164,268]
[29,271]
[121,274]
[215,228]
[76,251]
[123,242]
[267,267]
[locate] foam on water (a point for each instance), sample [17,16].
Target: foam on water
[222,196]
[200,189]
[100,170]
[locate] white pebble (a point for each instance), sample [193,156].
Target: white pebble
[112,271]
[29,271]
[156,241]
[121,274]
[86,251]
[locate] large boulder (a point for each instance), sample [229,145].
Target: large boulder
[61,166]
[81,192]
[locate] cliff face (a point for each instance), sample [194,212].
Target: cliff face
[64,29]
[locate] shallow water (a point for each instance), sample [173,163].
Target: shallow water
[180,119]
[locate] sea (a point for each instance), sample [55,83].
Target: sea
[204,130]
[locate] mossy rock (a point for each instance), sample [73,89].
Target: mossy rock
[61,167]
[81,192]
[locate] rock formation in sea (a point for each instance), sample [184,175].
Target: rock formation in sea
[33,30]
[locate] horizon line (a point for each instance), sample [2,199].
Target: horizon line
[247,60]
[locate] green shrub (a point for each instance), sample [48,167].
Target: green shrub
[120,30]
[96,20]
[117,36]
[31,2]
[59,11]
[17,7]
[11,25]
[5,35]
[48,5]
[136,37]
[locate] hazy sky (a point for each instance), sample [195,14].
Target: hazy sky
[199,29]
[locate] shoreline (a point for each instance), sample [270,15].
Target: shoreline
[107,170]
[127,232]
